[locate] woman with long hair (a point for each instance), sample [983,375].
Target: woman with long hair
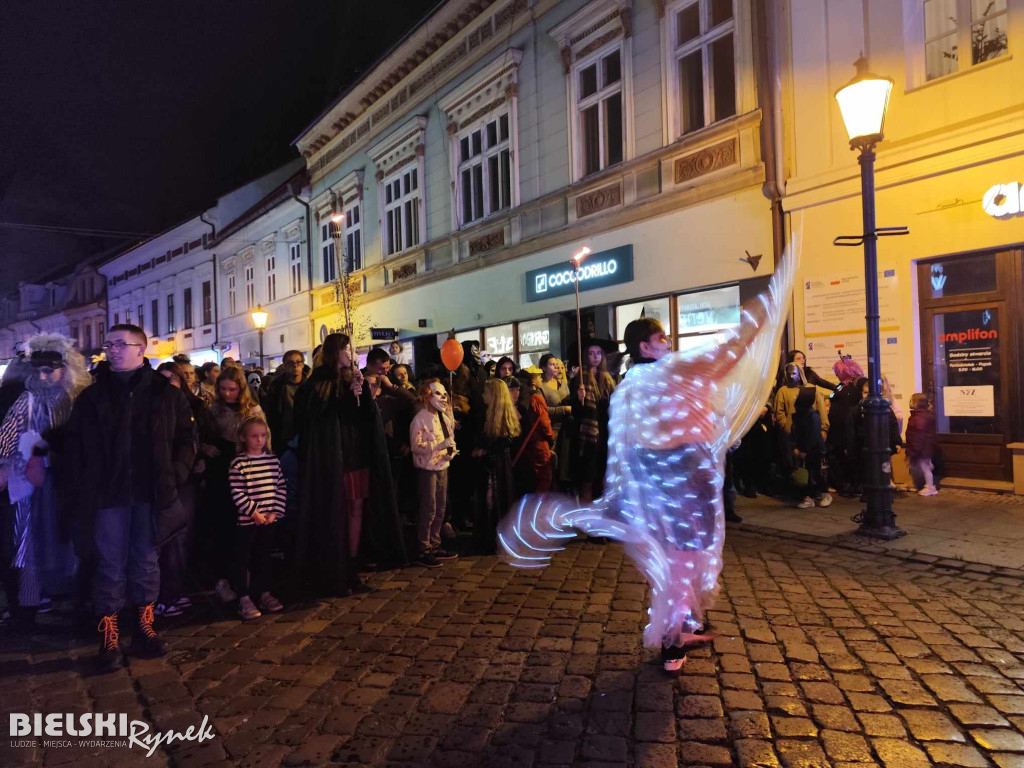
[591,394]
[555,389]
[233,403]
[497,491]
[533,460]
[343,467]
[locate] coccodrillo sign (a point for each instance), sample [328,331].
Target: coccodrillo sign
[599,270]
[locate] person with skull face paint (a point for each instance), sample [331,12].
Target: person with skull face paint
[432,438]
[31,439]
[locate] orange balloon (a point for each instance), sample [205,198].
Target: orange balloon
[451,354]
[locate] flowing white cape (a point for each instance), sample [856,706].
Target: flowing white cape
[671,423]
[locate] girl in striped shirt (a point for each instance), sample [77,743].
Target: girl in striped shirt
[258,490]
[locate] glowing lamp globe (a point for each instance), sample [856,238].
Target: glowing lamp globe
[259,318]
[863,102]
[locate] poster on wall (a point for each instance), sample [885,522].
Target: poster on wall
[834,304]
[834,322]
[823,351]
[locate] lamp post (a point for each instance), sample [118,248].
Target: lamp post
[259,319]
[576,260]
[341,286]
[863,102]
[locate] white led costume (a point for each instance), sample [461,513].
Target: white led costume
[670,426]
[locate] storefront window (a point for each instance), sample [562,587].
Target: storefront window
[966,360]
[701,317]
[653,308]
[955,277]
[534,341]
[498,342]
[461,336]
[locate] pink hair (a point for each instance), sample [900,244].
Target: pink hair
[847,370]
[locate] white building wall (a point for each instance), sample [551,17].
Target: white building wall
[288,321]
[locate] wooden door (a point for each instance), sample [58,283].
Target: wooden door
[971,361]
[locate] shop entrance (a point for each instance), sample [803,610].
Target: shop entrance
[971,362]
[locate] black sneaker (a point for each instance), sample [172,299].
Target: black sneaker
[146,641]
[427,560]
[732,517]
[109,657]
[444,555]
[673,658]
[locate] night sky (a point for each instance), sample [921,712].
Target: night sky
[131,117]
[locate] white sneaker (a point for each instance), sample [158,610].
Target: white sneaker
[928,490]
[807,503]
[224,591]
[247,610]
[825,500]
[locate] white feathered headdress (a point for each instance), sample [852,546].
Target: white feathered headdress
[76,376]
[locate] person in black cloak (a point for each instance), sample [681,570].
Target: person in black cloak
[343,469]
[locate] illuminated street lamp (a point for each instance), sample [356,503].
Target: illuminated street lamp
[259,319]
[576,260]
[863,103]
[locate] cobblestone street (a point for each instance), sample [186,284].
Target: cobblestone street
[825,656]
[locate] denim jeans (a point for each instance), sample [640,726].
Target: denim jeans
[127,560]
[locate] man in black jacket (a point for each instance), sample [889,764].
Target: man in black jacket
[131,447]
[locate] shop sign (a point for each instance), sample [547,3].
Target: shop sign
[1004,200]
[383,334]
[599,270]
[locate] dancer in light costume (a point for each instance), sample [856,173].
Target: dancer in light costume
[672,421]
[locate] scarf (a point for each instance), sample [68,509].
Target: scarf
[590,426]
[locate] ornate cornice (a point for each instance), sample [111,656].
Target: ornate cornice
[604,197]
[593,26]
[459,31]
[704,161]
[487,242]
[485,91]
[399,148]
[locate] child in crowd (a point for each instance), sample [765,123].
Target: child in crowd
[432,438]
[809,429]
[921,442]
[258,490]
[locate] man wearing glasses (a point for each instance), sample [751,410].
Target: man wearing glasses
[132,445]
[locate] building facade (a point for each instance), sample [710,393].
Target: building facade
[263,260]
[500,137]
[166,286]
[950,168]
[71,303]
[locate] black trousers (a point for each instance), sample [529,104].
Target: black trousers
[252,553]
[175,553]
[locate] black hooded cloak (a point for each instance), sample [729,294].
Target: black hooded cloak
[336,436]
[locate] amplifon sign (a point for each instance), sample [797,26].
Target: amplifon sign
[1004,200]
[599,270]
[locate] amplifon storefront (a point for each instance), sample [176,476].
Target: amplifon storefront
[951,298]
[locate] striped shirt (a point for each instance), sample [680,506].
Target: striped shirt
[257,485]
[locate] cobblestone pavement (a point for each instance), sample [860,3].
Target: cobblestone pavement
[825,656]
